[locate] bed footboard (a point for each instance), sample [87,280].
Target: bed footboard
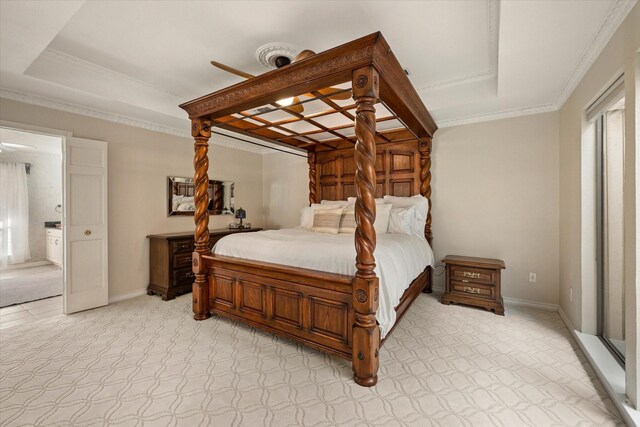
[309,306]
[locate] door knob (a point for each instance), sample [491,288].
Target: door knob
[87,232]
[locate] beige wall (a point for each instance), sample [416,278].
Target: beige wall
[139,163]
[285,189]
[495,195]
[576,199]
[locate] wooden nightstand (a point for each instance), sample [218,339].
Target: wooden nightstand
[170,271]
[473,281]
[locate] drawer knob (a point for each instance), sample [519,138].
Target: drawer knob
[470,290]
[87,232]
[471,275]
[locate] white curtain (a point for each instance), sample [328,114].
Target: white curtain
[14,214]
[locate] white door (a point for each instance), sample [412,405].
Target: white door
[85,225]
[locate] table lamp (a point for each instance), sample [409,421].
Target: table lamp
[241,214]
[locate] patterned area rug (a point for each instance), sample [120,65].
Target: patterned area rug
[32,287]
[147,362]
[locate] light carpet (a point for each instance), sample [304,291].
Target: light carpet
[147,362]
[29,287]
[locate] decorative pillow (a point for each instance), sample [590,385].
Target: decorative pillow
[401,220]
[340,203]
[348,220]
[421,205]
[326,220]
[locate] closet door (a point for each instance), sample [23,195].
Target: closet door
[85,225]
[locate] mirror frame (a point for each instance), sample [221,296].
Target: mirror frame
[212,182]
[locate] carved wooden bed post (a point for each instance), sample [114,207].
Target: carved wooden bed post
[424,146]
[311,159]
[425,180]
[201,131]
[366,333]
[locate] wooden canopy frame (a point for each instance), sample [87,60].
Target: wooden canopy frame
[329,312]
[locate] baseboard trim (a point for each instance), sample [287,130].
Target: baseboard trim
[123,297]
[515,301]
[588,344]
[25,265]
[533,304]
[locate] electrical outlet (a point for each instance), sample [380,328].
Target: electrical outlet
[571,294]
[532,277]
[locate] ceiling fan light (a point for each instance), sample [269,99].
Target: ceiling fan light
[17,146]
[281,61]
[285,102]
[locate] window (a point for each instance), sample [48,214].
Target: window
[608,113]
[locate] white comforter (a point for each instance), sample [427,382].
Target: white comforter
[400,258]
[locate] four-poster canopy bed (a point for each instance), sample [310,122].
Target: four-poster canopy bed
[333,313]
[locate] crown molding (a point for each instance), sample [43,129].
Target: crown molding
[616,14]
[506,114]
[43,101]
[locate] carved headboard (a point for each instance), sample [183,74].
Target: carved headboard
[402,169]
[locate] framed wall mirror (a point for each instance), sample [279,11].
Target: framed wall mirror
[180,192]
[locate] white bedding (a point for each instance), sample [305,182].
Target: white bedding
[400,258]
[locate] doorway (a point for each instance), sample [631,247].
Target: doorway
[31,243]
[79,246]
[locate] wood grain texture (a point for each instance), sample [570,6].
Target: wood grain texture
[366,332]
[474,281]
[314,74]
[332,313]
[425,181]
[201,132]
[311,159]
[171,258]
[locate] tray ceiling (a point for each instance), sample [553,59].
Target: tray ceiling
[135,62]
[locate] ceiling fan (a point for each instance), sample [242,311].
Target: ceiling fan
[292,103]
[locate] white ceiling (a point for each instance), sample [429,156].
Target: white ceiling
[134,62]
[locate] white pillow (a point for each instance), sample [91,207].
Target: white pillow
[306,217]
[401,220]
[340,203]
[326,220]
[381,224]
[421,205]
[383,212]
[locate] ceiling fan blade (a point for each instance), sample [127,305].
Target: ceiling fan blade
[231,70]
[339,93]
[303,55]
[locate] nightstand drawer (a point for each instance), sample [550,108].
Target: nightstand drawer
[477,275]
[477,290]
[184,276]
[182,260]
[182,246]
